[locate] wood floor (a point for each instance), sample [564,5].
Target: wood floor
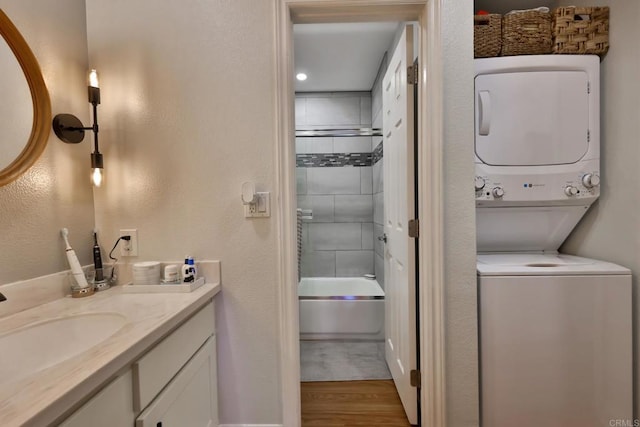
[351,403]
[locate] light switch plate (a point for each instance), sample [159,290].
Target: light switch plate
[261,208]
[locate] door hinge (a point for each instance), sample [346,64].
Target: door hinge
[412,74]
[588,135]
[414,228]
[588,87]
[415,378]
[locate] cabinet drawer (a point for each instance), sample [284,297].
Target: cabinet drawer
[190,399]
[155,369]
[111,407]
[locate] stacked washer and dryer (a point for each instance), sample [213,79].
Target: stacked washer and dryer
[555,329]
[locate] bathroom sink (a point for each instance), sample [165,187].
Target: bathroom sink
[41,345]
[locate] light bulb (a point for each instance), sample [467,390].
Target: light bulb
[301,76]
[93,79]
[97,177]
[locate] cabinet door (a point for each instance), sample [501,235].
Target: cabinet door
[191,398]
[111,407]
[155,369]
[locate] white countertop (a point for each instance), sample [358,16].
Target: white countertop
[43,397]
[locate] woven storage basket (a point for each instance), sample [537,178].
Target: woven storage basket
[487,35]
[574,34]
[526,33]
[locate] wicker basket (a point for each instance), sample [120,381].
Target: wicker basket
[526,33]
[487,35]
[581,36]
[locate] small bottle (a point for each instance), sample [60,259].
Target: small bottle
[194,270]
[187,274]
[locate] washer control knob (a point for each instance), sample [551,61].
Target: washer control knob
[570,190]
[591,180]
[497,192]
[479,183]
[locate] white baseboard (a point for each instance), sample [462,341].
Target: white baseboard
[250,425]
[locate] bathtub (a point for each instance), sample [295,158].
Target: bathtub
[341,308]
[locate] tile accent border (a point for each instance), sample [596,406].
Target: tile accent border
[324,160]
[377,153]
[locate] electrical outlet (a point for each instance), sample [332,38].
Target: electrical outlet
[260,208]
[129,247]
[249,210]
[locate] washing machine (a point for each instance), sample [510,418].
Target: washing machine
[555,341]
[554,329]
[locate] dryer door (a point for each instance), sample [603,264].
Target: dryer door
[532,118]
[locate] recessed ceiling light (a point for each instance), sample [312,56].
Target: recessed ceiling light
[301,76]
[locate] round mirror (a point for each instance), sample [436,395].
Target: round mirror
[25,109]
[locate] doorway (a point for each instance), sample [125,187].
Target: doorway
[428,129]
[340,73]
[355,107]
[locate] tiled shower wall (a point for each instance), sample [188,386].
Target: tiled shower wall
[378,177]
[337,184]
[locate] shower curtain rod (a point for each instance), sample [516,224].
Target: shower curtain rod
[339,132]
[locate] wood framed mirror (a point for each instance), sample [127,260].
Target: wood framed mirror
[25,108]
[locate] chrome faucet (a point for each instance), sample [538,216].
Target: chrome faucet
[2,297]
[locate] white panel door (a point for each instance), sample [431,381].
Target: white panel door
[399,273]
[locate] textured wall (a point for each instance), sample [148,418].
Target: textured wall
[338,241]
[610,230]
[459,216]
[188,114]
[56,191]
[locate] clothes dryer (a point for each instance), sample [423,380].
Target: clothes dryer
[537,148]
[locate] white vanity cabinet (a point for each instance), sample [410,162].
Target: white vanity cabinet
[172,384]
[188,399]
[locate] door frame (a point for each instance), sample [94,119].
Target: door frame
[430,179]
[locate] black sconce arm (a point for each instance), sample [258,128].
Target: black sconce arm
[70,129]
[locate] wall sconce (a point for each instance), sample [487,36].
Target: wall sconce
[71,130]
